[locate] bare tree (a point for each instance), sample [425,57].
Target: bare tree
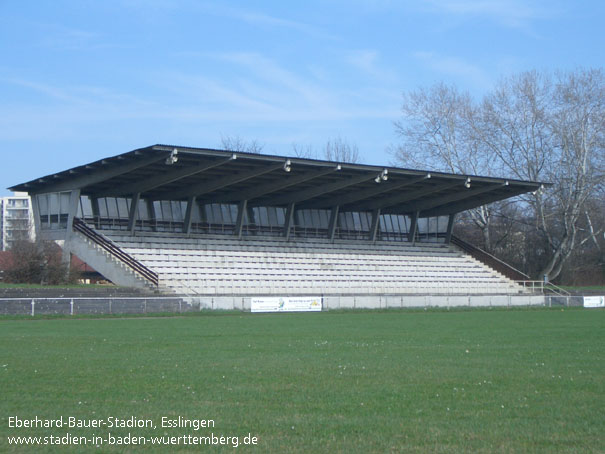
[438,132]
[532,126]
[340,150]
[545,128]
[37,262]
[27,263]
[304,151]
[236,143]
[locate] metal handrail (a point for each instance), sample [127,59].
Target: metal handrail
[541,286]
[557,290]
[114,250]
[491,261]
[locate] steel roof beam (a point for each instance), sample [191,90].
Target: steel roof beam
[274,186]
[454,197]
[201,189]
[318,190]
[406,197]
[464,205]
[385,186]
[107,171]
[169,177]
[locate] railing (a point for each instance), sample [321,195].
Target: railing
[114,250]
[254,229]
[542,287]
[491,261]
[96,305]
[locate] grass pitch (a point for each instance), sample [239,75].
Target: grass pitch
[394,381]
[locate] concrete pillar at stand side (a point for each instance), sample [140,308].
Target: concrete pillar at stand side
[74,200]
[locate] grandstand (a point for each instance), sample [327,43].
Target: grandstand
[276,266]
[221,224]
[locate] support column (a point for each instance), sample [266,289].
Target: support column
[333,222]
[36,211]
[132,213]
[413,227]
[203,215]
[450,228]
[241,216]
[251,218]
[74,200]
[375,224]
[96,212]
[152,219]
[189,214]
[289,219]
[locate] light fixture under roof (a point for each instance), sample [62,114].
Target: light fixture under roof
[382,176]
[173,157]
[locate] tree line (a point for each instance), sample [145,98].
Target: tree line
[538,126]
[37,262]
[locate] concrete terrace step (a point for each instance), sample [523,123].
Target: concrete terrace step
[228,265]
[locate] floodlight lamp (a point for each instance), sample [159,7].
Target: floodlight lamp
[173,157]
[338,167]
[384,175]
[378,179]
[233,157]
[287,166]
[467,183]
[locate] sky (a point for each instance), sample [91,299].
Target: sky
[81,80]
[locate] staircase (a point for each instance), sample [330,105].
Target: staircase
[500,268]
[108,259]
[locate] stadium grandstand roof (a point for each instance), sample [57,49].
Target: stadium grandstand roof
[168,172]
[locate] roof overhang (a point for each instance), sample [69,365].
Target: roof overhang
[167,172]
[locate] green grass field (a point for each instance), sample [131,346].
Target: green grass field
[352,382]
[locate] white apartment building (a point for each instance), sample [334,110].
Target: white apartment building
[16,219]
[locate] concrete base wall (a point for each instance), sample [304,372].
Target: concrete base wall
[146,305]
[382,301]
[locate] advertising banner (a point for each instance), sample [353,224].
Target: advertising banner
[286,304]
[594,301]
